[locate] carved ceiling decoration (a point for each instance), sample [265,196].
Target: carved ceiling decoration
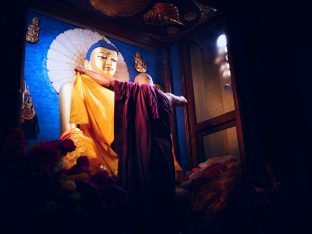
[163,13]
[190,16]
[192,20]
[150,21]
[205,11]
[119,7]
[172,30]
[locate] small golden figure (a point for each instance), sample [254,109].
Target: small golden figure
[139,65]
[33,30]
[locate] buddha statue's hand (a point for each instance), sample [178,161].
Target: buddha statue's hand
[67,134]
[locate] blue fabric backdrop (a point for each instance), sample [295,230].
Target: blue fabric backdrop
[175,71]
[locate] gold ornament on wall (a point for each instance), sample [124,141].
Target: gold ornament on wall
[32,34]
[163,13]
[139,65]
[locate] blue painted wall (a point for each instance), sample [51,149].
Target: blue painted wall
[176,80]
[44,97]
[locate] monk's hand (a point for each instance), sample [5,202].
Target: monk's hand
[101,79]
[80,69]
[182,101]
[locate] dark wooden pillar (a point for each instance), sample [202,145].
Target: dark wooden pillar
[167,70]
[13,19]
[168,88]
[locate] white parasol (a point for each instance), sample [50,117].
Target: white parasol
[68,50]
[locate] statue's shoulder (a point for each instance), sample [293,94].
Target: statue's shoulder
[67,85]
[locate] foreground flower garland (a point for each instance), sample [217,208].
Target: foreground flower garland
[53,196]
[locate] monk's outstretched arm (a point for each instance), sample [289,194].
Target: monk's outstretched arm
[176,100]
[105,81]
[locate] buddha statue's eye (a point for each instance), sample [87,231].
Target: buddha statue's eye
[102,56]
[114,59]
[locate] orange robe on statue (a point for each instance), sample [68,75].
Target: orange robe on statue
[92,108]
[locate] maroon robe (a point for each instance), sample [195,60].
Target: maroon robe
[143,143]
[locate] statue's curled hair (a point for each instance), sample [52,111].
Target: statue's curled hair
[101,43]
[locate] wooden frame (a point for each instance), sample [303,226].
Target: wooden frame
[195,131]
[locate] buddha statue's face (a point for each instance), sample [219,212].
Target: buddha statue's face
[103,61]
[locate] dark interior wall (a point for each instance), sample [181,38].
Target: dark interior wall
[12,24]
[177,89]
[13,18]
[271,54]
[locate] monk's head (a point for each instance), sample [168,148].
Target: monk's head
[144,78]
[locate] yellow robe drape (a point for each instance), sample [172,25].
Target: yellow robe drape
[92,108]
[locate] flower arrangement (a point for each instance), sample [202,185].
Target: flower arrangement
[53,195]
[214,196]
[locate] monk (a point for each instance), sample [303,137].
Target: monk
[143,142]
[175,101]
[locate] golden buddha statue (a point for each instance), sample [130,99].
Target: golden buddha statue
[90,121]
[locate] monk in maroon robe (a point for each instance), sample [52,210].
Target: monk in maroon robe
[143,143]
